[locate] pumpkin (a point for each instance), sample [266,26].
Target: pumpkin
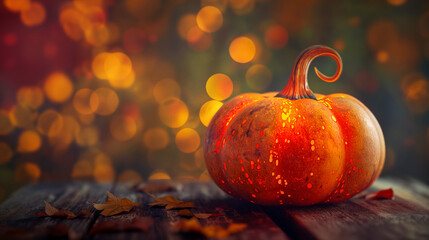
[295,147]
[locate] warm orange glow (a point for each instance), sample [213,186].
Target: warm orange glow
[242,50]
[380,33]
[66,136]
[242,7]
[50,123]
[130,176]
[209,19]
[31,97]
[396,2]
[87,136]
[198,40]
[6,153]
[27,172]
[188,140]
[258,77]
[186,22]
[276,36]
[58,87]
[159,175]
[83,168]
[103,169]
[156,138]
[208,110]
[166,88]
[6,126]
[173,112]
[17,5]
[98,65]
[117,65]
[86,118]
[29,141]
[34,15]
[382,56]
[123,128]
[219,86]
[81,101]
[21,116]
[104,101]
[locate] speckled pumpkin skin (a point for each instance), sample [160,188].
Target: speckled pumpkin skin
[295,147]
[273,151]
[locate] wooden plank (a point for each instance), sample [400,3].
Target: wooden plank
[404,217]
[208,198]
[18,210]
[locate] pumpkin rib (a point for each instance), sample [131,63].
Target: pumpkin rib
[218,161]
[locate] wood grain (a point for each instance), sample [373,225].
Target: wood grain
[404,217]
[208,198]
[17,211]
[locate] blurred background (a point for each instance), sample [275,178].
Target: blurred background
[124,89]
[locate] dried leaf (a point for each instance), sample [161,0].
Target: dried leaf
[188,214]
[155,187]
[185,213]
[382,194]
[206,215]
[142,224]
[114,205]
[193,226]
[51,211]
[170,202]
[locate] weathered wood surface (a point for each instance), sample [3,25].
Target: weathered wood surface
[18,211]
[208,199]
[405,217]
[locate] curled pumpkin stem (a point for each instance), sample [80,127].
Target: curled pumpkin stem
[297,86]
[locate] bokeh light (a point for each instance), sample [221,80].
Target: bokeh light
[104,101]
[173,112]
[34,15]
[29,141]
[276,36]
[123,128]
[208,110]
[27,172]
[209,19]
[219,86]
[156,138]
[103,169]
[242,50]
[21,116]
[6,126]
[31,97]
[81,101]
[58,87]
[159,175]
[258,77]
[17,5]
[88,136]
[6,153]
[166,88]
[130,176]
[188,140]
[50,123]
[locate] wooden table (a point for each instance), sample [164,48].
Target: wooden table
[404,217]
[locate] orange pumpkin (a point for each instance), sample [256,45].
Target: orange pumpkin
[295,147]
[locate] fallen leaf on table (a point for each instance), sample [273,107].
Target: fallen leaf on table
[114,205]
[51,211]
[382,194]
[188,214]
[170,202]
[142,224]
[155,187]
[193,226]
